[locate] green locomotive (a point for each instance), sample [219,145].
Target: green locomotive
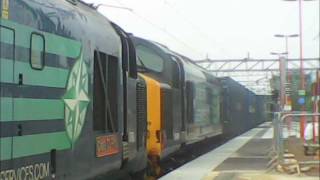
[70,97]
[82,99]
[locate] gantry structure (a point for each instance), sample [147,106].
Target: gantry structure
[255,73]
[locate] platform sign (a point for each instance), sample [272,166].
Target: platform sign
[301,100]
[287,107]
[289,101]
[301,92]
[5,9]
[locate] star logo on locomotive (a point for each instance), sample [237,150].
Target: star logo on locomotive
[76,99]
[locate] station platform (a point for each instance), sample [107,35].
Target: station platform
[243,157]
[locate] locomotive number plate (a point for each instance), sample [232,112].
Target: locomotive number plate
[106,145]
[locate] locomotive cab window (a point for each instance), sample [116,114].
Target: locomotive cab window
[37,51]
[149,59]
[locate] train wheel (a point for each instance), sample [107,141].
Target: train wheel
[153,169]
[141,175]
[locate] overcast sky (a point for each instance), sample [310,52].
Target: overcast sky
[220,28]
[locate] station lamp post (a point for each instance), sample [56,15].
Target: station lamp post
[279,54]
[282,69]
[286,38]
[302,77]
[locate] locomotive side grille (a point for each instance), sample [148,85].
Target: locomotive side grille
[141,113]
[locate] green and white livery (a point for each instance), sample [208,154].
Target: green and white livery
[76,99]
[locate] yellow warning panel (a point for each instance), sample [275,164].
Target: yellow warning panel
[154,116]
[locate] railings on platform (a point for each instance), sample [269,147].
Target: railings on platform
[278,127]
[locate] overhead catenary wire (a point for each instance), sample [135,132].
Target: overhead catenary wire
[195,27]
[177,39]
[170,34]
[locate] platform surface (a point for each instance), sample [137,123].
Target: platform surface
[243,158]
[245,153]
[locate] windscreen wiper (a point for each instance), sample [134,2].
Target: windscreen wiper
[142,67]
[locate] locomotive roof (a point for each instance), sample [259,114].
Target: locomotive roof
[190,65]
[230,80]
[193,71]
[78,21]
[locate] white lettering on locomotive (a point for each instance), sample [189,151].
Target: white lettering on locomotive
[31,172]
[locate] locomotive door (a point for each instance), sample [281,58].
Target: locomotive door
[176,99]
[7,58]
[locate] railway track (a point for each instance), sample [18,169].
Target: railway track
[189,153]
